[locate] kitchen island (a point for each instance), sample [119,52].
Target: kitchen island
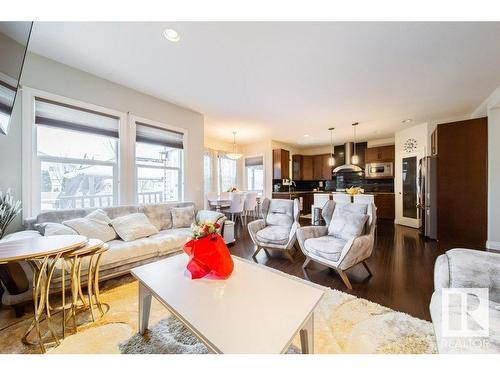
[384,201]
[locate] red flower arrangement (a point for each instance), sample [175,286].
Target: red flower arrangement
[208,253]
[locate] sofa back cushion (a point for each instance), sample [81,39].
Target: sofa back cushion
[54,229]
[97,224]
[182,217]
[134,226]
[159,215]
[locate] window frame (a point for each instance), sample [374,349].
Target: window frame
[245,175]
[31,162]
[125,180]
[133,119]
[221,155]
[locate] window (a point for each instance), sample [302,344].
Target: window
[158,164]
[227,173]
[76,151]
[207,172]
[254,171]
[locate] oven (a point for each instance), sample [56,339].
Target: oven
[379,170]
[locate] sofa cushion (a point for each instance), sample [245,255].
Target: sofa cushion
[170,240]
[133,226]
[158,214]
[121,252]
[475,269]
[274,234]
[347,223]
[211,216]
[54,229]
[97,224]
[327,247]
[182,217]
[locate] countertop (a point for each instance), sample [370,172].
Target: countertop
[328,192]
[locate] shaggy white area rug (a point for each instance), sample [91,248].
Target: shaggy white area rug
[343,324]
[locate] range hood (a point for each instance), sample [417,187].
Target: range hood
[348,167]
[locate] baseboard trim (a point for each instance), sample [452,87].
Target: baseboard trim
[493,245]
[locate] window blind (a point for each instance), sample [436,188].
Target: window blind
[158,136]
[59,115]
[255,160]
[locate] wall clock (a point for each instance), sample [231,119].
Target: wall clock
[410,145]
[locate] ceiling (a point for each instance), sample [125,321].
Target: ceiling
[285,80]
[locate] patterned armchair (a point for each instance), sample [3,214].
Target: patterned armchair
[277,230]
[343,250]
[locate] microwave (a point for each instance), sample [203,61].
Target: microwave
[379,170]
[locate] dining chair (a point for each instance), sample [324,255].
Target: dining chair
[250,206]
[212,198]
[224,199]
[236,207]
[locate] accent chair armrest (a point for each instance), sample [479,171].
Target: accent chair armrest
[360,249]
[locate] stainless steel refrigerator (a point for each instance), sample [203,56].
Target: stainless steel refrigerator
[427,184]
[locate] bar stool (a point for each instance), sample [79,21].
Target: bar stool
[318,218]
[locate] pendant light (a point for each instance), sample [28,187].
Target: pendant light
[355,157]
[234,155]
[331,159]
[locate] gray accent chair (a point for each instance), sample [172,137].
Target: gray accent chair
[466,268]
[278,227]
[336,253]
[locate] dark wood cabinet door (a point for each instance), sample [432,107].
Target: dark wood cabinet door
[462,183]
[296,167]
[326,170]
[317,167]
[379,154]
[307,167]
[281,164]
[385,204]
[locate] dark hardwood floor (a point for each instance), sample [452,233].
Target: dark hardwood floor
[402,264]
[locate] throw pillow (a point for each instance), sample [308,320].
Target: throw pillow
[158,214]
[54,229]
[346,225]
[182,217]
[97,224]
[133,226]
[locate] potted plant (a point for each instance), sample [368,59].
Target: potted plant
[9,209]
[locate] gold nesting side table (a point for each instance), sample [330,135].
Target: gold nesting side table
[93,252]
[43,254]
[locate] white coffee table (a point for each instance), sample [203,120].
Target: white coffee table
[256,310]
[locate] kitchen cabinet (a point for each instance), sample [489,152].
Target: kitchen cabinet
[296,167]
[317,167]
[385,203]
[326,170]
[307,168]
[281,164]
[379,154]
[462,183]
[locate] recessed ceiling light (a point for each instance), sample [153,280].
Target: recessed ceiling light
[171,35]
[306,135]
[407,121]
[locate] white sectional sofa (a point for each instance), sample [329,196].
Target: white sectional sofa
[121,256]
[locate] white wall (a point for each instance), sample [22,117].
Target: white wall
[491,108]
[48,75]
[494,178]
[421,134]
